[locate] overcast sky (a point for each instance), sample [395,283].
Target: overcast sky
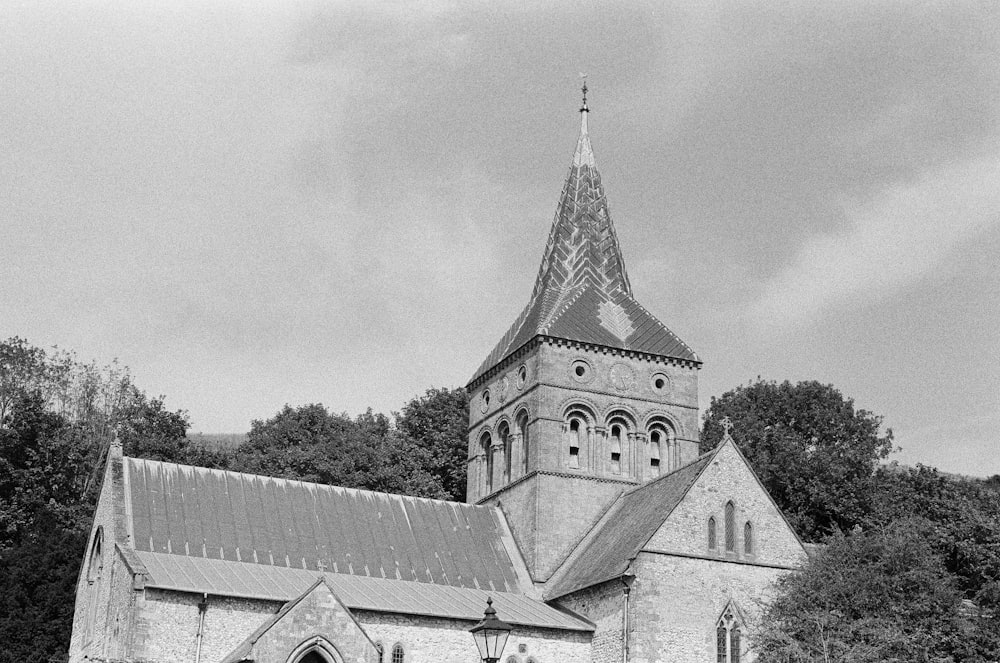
[253,204]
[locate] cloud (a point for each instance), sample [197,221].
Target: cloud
[898,236]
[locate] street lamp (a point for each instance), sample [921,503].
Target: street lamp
[490,634]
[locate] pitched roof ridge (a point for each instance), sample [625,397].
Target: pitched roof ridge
[324,486]
[703,457]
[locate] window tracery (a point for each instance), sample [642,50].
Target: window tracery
[728,637]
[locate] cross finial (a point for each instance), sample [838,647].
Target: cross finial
[322,566]
[583,108]
[727,424]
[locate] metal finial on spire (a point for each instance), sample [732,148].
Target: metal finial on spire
[583,108]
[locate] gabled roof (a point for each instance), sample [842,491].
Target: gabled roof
[625,529]
[582,292]
[196,512]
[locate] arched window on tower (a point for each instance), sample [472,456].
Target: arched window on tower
[616,433]
[503,432]
[486,442]
[577,431]
[730,527]
[747,538]
[662,449]
[655,452]
[522,429]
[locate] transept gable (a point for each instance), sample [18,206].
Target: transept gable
[727,514]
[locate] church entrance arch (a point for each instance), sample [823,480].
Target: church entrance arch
[316,649]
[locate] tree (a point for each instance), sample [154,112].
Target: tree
[871,596]
[311,444]
[814,452]
[966,518]
[438,421]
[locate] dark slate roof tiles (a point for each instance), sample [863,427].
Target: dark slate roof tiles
[582,292]
[202,513]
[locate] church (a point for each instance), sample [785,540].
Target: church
[592,523]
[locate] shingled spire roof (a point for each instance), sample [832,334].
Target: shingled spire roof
[582,292]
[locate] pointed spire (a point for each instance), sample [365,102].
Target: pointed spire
[584,155]
[582,292]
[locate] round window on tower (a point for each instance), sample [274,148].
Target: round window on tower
[581,371]
[659,383]
[522,376]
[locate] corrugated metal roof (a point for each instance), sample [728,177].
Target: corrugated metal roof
[582,292]
[226,578]
[197,512]
[624,529]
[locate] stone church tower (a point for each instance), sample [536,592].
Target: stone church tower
[586,395]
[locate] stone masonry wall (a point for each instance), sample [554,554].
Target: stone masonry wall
[432,640]
[604,605]
[167,625]
[93,599]
[676,602]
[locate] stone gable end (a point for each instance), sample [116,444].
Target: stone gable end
[728,478]
[319,614]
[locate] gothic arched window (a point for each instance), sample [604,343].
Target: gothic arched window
[711,533]
[748,538]
[522,429]
[381,651]
[397,653]
[503,432]
[730,527]
[728,641]
[486,442]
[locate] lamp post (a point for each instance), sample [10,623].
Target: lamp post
[490,634]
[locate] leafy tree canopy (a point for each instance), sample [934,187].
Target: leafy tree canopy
[881,595]
[438,422]
[311,444]
[814,452]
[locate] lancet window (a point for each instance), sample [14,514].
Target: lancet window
[747,538]
[730,527]
[712,535]
[728,637]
